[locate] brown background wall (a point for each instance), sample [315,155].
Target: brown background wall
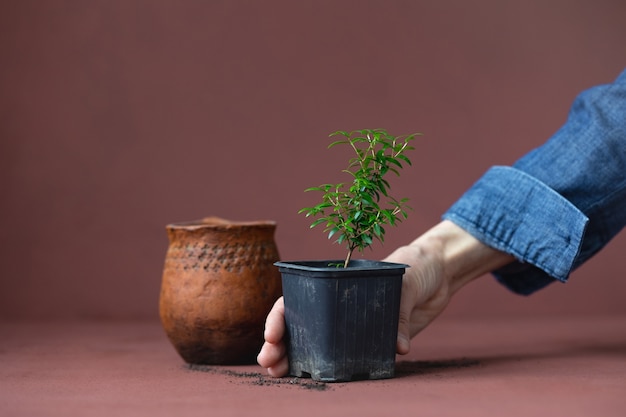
[118,117]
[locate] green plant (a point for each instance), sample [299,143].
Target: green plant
[355,213]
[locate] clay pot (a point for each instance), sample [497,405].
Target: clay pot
[218,285]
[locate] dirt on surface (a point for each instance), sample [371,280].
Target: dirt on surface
[403,369]
[256,378]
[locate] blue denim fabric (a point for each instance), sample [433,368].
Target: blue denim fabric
[562,202]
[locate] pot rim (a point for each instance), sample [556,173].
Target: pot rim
[328,265]
[218,223]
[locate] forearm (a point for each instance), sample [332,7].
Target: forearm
[462,256]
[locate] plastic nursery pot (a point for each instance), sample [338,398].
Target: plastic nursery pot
[341,323]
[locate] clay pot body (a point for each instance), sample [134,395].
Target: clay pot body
[218,285]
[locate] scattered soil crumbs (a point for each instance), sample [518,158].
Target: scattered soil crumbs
[256,378]
[403,369]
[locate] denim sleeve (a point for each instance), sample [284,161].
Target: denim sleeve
[561,203]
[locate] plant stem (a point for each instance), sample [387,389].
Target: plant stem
[347,261]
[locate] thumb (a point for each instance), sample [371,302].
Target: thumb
[403,344]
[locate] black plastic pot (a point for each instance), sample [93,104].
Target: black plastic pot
[341,323]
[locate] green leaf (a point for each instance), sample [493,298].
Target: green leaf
[332,232]
[367,199]
[405,159]
[394,161]
[339,142]
[316,222]
[339,132]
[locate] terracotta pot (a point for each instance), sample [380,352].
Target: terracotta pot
[218,285]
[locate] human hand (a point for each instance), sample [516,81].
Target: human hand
[425,292]
[442,261]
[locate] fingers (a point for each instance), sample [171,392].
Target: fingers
[403,344]
[273,354]
[280,369]
[273,358]
[275,323]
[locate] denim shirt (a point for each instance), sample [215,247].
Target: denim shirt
[562,202]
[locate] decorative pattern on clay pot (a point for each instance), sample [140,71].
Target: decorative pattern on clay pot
[218,285]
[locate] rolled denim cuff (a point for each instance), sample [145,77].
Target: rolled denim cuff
[514,212]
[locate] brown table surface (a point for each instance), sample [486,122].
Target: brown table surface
[537,366]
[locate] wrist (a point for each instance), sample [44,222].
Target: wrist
[464,258]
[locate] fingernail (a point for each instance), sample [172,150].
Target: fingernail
[404,345]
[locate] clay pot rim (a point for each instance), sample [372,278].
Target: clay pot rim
[219,223]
